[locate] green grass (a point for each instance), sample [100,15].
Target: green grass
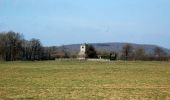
[81,80]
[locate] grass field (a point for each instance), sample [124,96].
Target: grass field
[80,80]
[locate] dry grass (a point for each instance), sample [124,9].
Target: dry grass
[77,80]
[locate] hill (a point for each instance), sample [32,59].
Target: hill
[114,46]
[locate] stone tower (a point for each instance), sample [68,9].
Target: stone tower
[82,53]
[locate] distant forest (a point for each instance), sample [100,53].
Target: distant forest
[14,47]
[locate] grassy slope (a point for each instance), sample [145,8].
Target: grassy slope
[85,80]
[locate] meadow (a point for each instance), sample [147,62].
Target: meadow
[84,80]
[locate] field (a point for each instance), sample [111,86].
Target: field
[81,80]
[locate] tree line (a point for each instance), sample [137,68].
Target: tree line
[14,47]
[128,52]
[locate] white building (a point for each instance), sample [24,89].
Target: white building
[82,53]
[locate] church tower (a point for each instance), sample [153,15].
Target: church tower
[82,53]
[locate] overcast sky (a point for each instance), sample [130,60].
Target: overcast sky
[58,22]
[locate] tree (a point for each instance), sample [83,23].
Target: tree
[2,46]
[127,51]
[90,51]
[10,45]
[15,40]
[139,54]
[26,50]
[159,52]
[14,47]
[65,52]
[36,49]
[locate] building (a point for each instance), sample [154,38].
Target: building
[82,53]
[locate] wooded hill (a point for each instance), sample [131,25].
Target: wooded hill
[112,47]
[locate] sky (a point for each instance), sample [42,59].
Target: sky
[60,22]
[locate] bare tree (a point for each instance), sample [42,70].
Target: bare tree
[10,45]
[2,46]
[36,49]
[139,54]
[127,51]
[159,52]
[14,47]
